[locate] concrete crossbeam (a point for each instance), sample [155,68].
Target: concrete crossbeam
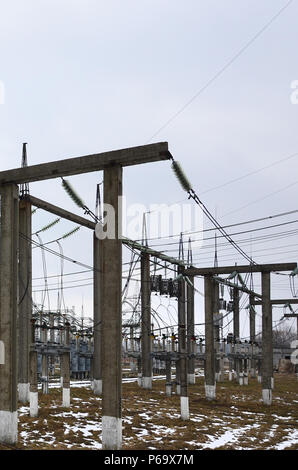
[86,164]
[240,269]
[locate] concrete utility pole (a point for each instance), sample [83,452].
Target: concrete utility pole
[65,360]
[133,365]
[184,402]
[190,331]
[45,373]
[146,344]
[210,384]
[216,329]
[252,334]
[111,339]
[9,237]
[139,367]
[33,374]
[44,360]
[267,347]
[25,299]
[97,316]
[293,315]
[168,375]
[236,327]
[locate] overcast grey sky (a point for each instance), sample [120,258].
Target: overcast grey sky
[87,76]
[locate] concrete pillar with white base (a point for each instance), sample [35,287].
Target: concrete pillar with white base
[45,373]
[97,298]
[139,366]
[236,327]
[182,345]
[168,376]
[9,236]
[146,343]
[210,384]
[33,383]
[65,360]
[111,340]
[190,332]
[25,298]
[66,379]
[178,384]
[267,346]
[252,334]
[245,371]
[241,373]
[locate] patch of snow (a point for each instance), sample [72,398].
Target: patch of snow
[292,439]
[229,436]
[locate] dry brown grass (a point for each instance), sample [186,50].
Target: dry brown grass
[151,420]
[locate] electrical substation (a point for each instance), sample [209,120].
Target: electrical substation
[42,347]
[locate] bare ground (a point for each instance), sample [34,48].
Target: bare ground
[237,419]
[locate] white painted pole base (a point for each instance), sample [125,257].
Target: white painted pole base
[169,390]
[61,382]
[259,379]
[267,396]
[240,379]
[97,386]
[111,433]
[33,404]
[139,380]
[191,379]
[210,392]
[245,379]
[178,389]
[147,383]
[272,383]
[230,375]
[8,427]
[24,393]
[184,407]
[217,376]
[66,397]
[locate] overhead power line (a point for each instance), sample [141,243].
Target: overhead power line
[211,229]
[232,234]
[222,69]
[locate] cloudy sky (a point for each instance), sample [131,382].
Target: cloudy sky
[212,78]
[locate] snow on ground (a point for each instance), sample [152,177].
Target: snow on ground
[152,421]
[228,437]
[293,439]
